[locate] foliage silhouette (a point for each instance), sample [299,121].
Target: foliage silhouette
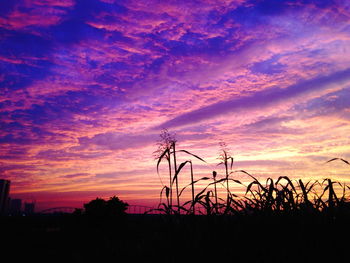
[102,208]
[274,196]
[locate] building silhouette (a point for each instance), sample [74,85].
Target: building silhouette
[4,196]
[15,206]
[29,208]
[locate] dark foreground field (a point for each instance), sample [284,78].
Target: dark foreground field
[161,238]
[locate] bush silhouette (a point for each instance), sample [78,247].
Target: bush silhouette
[102,208]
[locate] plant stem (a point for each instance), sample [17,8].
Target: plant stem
[170,180]
[216,193]
[176,181]
[193,205]
[227,184]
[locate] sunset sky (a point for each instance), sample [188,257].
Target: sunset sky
[88,85]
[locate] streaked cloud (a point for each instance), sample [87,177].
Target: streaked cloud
[86,86]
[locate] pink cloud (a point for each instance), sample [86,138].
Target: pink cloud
[85,85]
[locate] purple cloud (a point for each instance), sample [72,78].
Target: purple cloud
[76,175]
[260,99]
[84,84]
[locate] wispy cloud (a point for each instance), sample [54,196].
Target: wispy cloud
[86,86]
[261,99]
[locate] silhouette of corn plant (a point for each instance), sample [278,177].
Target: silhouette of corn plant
[333,200]
[225,158]
[215,192]
[334,159]
[281,195]
[166,150]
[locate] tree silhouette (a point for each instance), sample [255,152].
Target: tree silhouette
[116,207]
[102,208]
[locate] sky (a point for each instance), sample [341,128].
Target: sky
[86,87]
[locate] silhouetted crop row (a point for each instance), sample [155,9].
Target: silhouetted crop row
[281,195]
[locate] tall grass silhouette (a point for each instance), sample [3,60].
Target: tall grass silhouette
[166,152]
[280,195]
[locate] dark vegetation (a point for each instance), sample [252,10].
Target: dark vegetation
[102,208]
[281,195]
[279,220]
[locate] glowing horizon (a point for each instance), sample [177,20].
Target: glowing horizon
[88,85]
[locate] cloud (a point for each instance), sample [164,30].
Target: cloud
[260,99]
[118,141]
[86,85]
[25,15]
[333,103]
[269,66]
[107,175]
[66,155]
[115,141]
[271,125]
[76,175]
